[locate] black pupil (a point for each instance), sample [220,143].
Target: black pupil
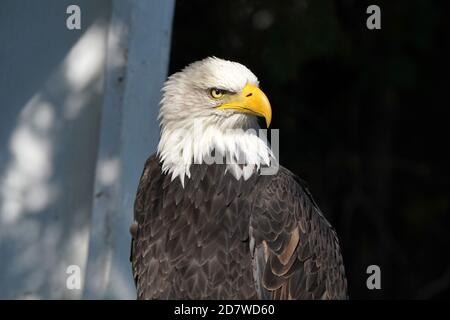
[217,92]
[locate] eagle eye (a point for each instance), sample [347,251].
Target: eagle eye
[216,93]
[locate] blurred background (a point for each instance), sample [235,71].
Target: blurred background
[362,116]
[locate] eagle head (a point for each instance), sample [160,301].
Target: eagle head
[211,108]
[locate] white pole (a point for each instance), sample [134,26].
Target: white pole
[137,61]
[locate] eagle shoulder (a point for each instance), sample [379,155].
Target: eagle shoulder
[296,253]
[150,179]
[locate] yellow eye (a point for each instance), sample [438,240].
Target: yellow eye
[217,93]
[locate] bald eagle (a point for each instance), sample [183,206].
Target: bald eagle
[208,229]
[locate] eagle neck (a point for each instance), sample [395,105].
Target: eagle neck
[243,151]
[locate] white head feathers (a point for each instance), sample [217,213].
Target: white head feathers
[193,130]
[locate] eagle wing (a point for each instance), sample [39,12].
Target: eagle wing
[140,230]
[295,250]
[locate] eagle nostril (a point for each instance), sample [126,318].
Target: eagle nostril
[249,95]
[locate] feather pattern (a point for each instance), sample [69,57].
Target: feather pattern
[222,238]
[298,264]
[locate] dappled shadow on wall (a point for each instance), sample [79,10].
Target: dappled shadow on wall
[47,173]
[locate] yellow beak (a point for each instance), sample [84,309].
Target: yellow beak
[251,100]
